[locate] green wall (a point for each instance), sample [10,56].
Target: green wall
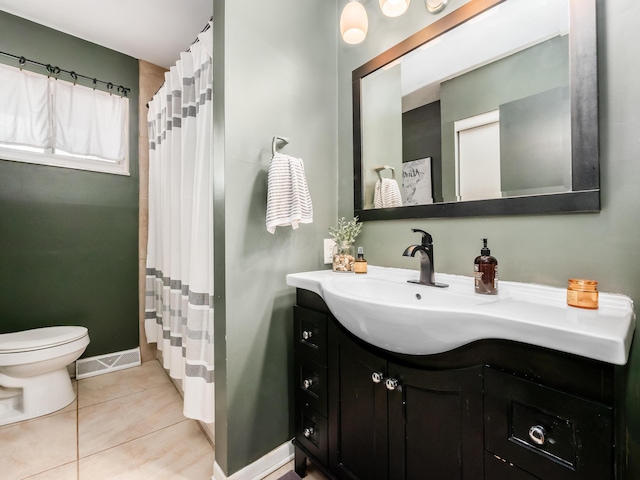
[69,238]
[382,128]
[545,249]
[274,74]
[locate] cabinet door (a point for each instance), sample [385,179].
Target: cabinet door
[435,424]
[357,411]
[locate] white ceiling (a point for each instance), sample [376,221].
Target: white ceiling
[152,30]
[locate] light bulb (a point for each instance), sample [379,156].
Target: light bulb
[394,8]
[354,23]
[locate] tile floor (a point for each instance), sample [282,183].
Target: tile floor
[125,425]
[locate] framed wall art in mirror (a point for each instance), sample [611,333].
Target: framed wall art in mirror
[501,96]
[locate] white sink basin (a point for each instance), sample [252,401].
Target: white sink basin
[383,309]
[415,298]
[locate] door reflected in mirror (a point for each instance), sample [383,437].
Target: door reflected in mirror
[488,103]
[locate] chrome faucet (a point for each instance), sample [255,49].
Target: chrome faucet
[427,270]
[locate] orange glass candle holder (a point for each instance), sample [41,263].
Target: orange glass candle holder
[582,293]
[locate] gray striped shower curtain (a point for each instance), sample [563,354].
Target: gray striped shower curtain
[179,281]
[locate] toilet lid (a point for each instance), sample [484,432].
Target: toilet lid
[39,338]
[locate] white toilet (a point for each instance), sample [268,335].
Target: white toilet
[34,379]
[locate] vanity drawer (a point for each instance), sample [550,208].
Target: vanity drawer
[310,334]
[311,384]
[311,433]
[547,433]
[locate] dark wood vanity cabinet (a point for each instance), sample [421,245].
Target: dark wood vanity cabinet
[494,410]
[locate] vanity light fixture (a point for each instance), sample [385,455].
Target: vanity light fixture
[436,6]
[354,23]
[394,8]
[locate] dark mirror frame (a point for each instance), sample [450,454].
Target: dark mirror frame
[585,194]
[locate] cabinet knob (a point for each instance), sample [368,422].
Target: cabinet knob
[307,334]
[391,383]
[377,377]
[537,434]
[307,383]
[308,432]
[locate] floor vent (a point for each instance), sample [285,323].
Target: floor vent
[111,362]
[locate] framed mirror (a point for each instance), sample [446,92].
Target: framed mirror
[490,110]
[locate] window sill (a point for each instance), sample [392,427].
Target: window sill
[62,161]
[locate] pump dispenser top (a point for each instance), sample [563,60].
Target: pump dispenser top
[485,272]
[485,250]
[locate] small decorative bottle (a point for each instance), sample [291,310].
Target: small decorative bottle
[360,266]
[485,272]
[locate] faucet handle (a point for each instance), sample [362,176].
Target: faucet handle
[427,239]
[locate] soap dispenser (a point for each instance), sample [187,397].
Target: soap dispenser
[485,272]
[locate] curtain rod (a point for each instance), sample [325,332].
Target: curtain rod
[206,27]
[55,71]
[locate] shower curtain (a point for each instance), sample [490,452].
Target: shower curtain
[179,280]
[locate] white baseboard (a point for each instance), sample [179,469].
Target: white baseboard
[261,467]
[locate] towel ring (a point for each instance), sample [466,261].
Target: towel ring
[274,143]
[385,167]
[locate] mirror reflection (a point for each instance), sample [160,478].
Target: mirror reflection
[458,119]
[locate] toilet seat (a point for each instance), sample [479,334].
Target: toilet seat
[40,338]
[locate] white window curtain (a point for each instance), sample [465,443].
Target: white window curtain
[179,282]
[90,122]
[42,112]
[25,108]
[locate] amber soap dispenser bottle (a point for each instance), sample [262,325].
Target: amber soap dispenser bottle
[485,272]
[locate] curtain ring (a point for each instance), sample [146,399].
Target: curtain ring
[49,70]
[56,71]
[109,87]
[74,75]
[95,82]
[22,61]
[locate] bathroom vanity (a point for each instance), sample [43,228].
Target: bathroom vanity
[498,406]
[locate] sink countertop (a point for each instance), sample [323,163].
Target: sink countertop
[527,313]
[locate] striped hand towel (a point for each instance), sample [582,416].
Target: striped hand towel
[288,199]
[387,194]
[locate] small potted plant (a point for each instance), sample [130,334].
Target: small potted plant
[344,251]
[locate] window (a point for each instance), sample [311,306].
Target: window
[53,122]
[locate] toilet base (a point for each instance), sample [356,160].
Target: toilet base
[30,397]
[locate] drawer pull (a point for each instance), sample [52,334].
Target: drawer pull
[391,383]
[309,431]
[307,383]
[537,434]
[377,377]
[307,334]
